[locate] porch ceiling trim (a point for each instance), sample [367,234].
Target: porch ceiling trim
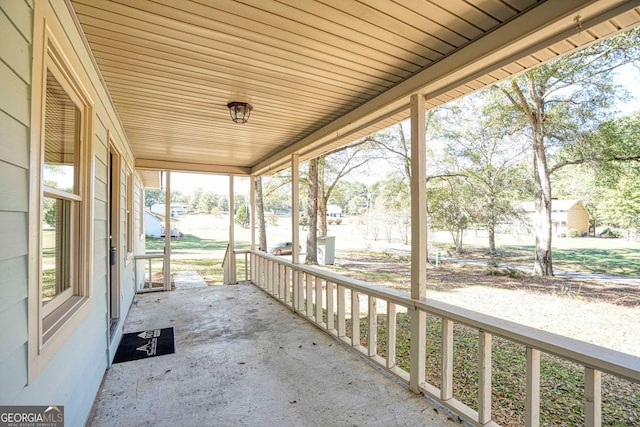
[152,164]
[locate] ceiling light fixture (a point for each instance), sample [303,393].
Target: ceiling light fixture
[240,111]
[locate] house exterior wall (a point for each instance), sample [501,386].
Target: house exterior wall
[73,373]
[16,32]
[152,225]
[578,219]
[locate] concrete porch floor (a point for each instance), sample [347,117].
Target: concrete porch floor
[243,358]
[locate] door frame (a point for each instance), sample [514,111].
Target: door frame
[114,244]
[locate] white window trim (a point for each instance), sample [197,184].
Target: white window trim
[48,331]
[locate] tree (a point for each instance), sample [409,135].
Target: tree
[260,219]
[483,149]
[621,205]
[448,208]
[312,214]
[556,101]
[242,216]
[336,165]
[152,197]
[394,205]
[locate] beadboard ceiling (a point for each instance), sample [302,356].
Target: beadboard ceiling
[318,73]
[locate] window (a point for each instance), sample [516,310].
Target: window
[61,201]
[61,197]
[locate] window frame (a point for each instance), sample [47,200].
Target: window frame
[52,324]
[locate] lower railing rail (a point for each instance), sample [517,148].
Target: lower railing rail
[338,304]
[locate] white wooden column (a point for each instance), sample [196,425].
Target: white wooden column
[298,297]
[252,217]
[295,212]
[167,233]
[418,240]
[232,238]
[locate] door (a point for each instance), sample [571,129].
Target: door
[113,269]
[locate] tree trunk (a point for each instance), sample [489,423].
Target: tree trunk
[312,214]
[322,198]
[543,261]
[542,224]
[492,239]
[262,229]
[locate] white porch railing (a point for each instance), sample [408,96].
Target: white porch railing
[231,259]
[329,300]
[146,284]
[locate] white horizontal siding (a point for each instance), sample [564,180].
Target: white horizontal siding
[14,141]
[15,76]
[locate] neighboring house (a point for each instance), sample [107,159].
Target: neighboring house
[154,225]
[565,215]
[334,211]
[176,209]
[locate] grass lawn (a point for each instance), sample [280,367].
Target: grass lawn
[192,253]
[562,382]
[592,255]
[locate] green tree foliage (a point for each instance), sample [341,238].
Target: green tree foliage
[242,216]
[152,197]
[482,151]
[554,103]
[448,207]
[620,205]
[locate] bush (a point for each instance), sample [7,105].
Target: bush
[610,233]
[573,233]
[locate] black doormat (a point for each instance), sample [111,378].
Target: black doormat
[144,344]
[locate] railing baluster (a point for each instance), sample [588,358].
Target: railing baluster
[593,397]
[294,283]
[355,318]
[484,380]
[373,326]
[309,294]
[446,392]
[319,305]
[281,281]
[342,330]
[532,408]
[391,335]
[288,283]
[301,280]
[329,293]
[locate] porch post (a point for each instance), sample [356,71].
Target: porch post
[418,240]
[252,216]
[295,230]
[232,257]
[167,233]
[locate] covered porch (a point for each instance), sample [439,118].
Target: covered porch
[244,359]
[248,354]
[319,76]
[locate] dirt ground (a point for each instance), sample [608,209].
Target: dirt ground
[602,313]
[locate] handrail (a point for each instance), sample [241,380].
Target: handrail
[298,286]
[150,258]
[226,271]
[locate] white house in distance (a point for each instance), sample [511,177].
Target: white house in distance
[154,225]
[176,209]
[566,215]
